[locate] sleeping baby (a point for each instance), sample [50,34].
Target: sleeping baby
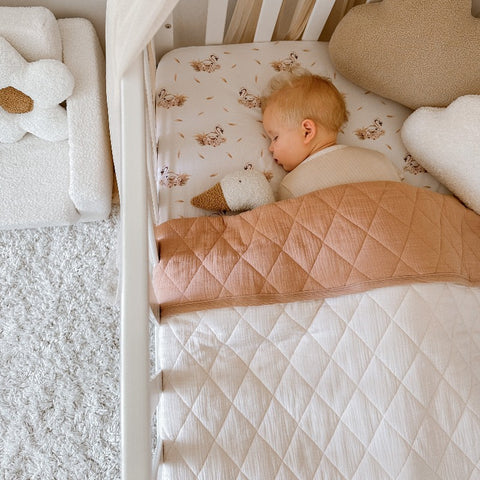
[302,115]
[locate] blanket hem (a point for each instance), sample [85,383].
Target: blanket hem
[248,300]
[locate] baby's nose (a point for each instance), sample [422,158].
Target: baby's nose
[270,147]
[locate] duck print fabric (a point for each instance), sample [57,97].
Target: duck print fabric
[209,121]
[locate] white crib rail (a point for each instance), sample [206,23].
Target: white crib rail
[134,336]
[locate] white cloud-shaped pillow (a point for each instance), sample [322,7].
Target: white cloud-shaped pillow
[446,142]
[40,87]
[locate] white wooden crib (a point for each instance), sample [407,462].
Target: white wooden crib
[135,126]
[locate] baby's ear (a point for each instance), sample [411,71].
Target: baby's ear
[309,130]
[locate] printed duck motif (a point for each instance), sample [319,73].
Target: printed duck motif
[212,139]
[287,64]
[167,100]
[412,166]
[208,65]
[171,179]
[372,132]
[248,99]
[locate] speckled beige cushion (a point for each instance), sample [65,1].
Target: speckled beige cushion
[416,52]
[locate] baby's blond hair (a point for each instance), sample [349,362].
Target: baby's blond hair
[301,94]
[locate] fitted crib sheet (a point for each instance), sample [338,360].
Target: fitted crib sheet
[209,122]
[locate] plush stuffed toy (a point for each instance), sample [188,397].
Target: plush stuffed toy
[236,192]
[30,94]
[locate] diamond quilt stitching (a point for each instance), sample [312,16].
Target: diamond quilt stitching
[369,450]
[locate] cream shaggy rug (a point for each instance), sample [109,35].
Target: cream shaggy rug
[59,352]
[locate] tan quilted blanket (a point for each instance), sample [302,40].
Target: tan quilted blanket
[344,239]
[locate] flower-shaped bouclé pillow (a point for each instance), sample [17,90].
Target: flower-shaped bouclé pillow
[30,94]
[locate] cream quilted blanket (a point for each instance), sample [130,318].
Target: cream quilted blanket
[345,239]
[378,385]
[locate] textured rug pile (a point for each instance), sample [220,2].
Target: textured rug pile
[59,352]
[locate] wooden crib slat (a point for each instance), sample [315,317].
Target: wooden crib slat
[267,20]
[317,20]
[216,16]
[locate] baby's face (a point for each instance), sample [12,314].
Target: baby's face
[286,143]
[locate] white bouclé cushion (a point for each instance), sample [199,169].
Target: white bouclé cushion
[33,31]
[446,141]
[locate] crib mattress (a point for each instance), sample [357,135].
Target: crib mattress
[209,119]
